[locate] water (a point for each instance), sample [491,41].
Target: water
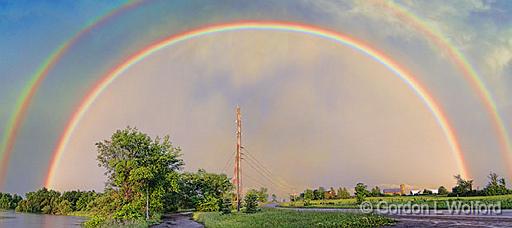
[26,220]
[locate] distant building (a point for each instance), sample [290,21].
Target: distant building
[395,191]
[391,191]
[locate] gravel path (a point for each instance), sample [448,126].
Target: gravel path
[179,220]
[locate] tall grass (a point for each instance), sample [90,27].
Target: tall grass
[439,202]
[270,217]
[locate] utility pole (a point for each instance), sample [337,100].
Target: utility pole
[238,158]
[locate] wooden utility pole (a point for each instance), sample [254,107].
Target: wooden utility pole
[238,158]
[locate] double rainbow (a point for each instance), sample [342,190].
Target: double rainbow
[437,38]
[339,38]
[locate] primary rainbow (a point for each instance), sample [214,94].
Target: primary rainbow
[20,110]
[444,45]
[359,45]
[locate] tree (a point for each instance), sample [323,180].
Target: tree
[209,203]
[375,192]
[41,201]
[226,204]
[442,191]
[64,207]
[319,193]
[427,192]
[331,194]
[200,187]
[308,196]
[361,192]
[496,186]
[343,193]
[274,198]
[463,187]
[251,201]
[141,169]
[262,195]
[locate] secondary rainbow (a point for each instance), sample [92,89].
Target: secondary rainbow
[337,37]
[30,89]
[468,71]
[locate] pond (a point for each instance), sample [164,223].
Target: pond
[13,219]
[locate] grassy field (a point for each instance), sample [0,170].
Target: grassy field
[270,217]
[440,202]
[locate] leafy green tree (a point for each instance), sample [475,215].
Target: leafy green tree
[427,192]
[5,201]
[442,191]
[64,207]
[251,201]
[85,199]
[262,195]
[496,186]
[319,193]
[361,192]
[375,192]
[209,203]
[308,196]
[142,170]
[42,201]
[72,197]
[463,187]
[195,188]
[226,205]
[343,193]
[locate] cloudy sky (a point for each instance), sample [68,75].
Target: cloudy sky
[315,113]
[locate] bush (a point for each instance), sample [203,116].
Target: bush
[225,205]
[209,203]
[251,202]
[95,221]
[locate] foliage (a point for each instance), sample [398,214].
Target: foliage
[289,218]
[139,168]
[64,207]
[442,191]
[251,201]
[434,201]
[51,202]
[375,192]
[496,186]
[198,188]
[319,193]
[463,187]
[427,192]
[42,201]
[8,201]
[361,192]
[262,195]
[209,203]
[343,193]
[226,204]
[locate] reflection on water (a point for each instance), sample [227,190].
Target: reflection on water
[13,219]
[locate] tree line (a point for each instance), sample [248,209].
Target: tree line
[145,179]
[495,186]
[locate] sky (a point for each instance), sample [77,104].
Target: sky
[315,112]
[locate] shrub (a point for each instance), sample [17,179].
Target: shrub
[209,203]
[251,202]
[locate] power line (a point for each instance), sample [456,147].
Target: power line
[263,185]
[283,182]
[284,188]
[228,162]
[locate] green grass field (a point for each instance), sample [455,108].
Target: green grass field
[270,217]
[440,202]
